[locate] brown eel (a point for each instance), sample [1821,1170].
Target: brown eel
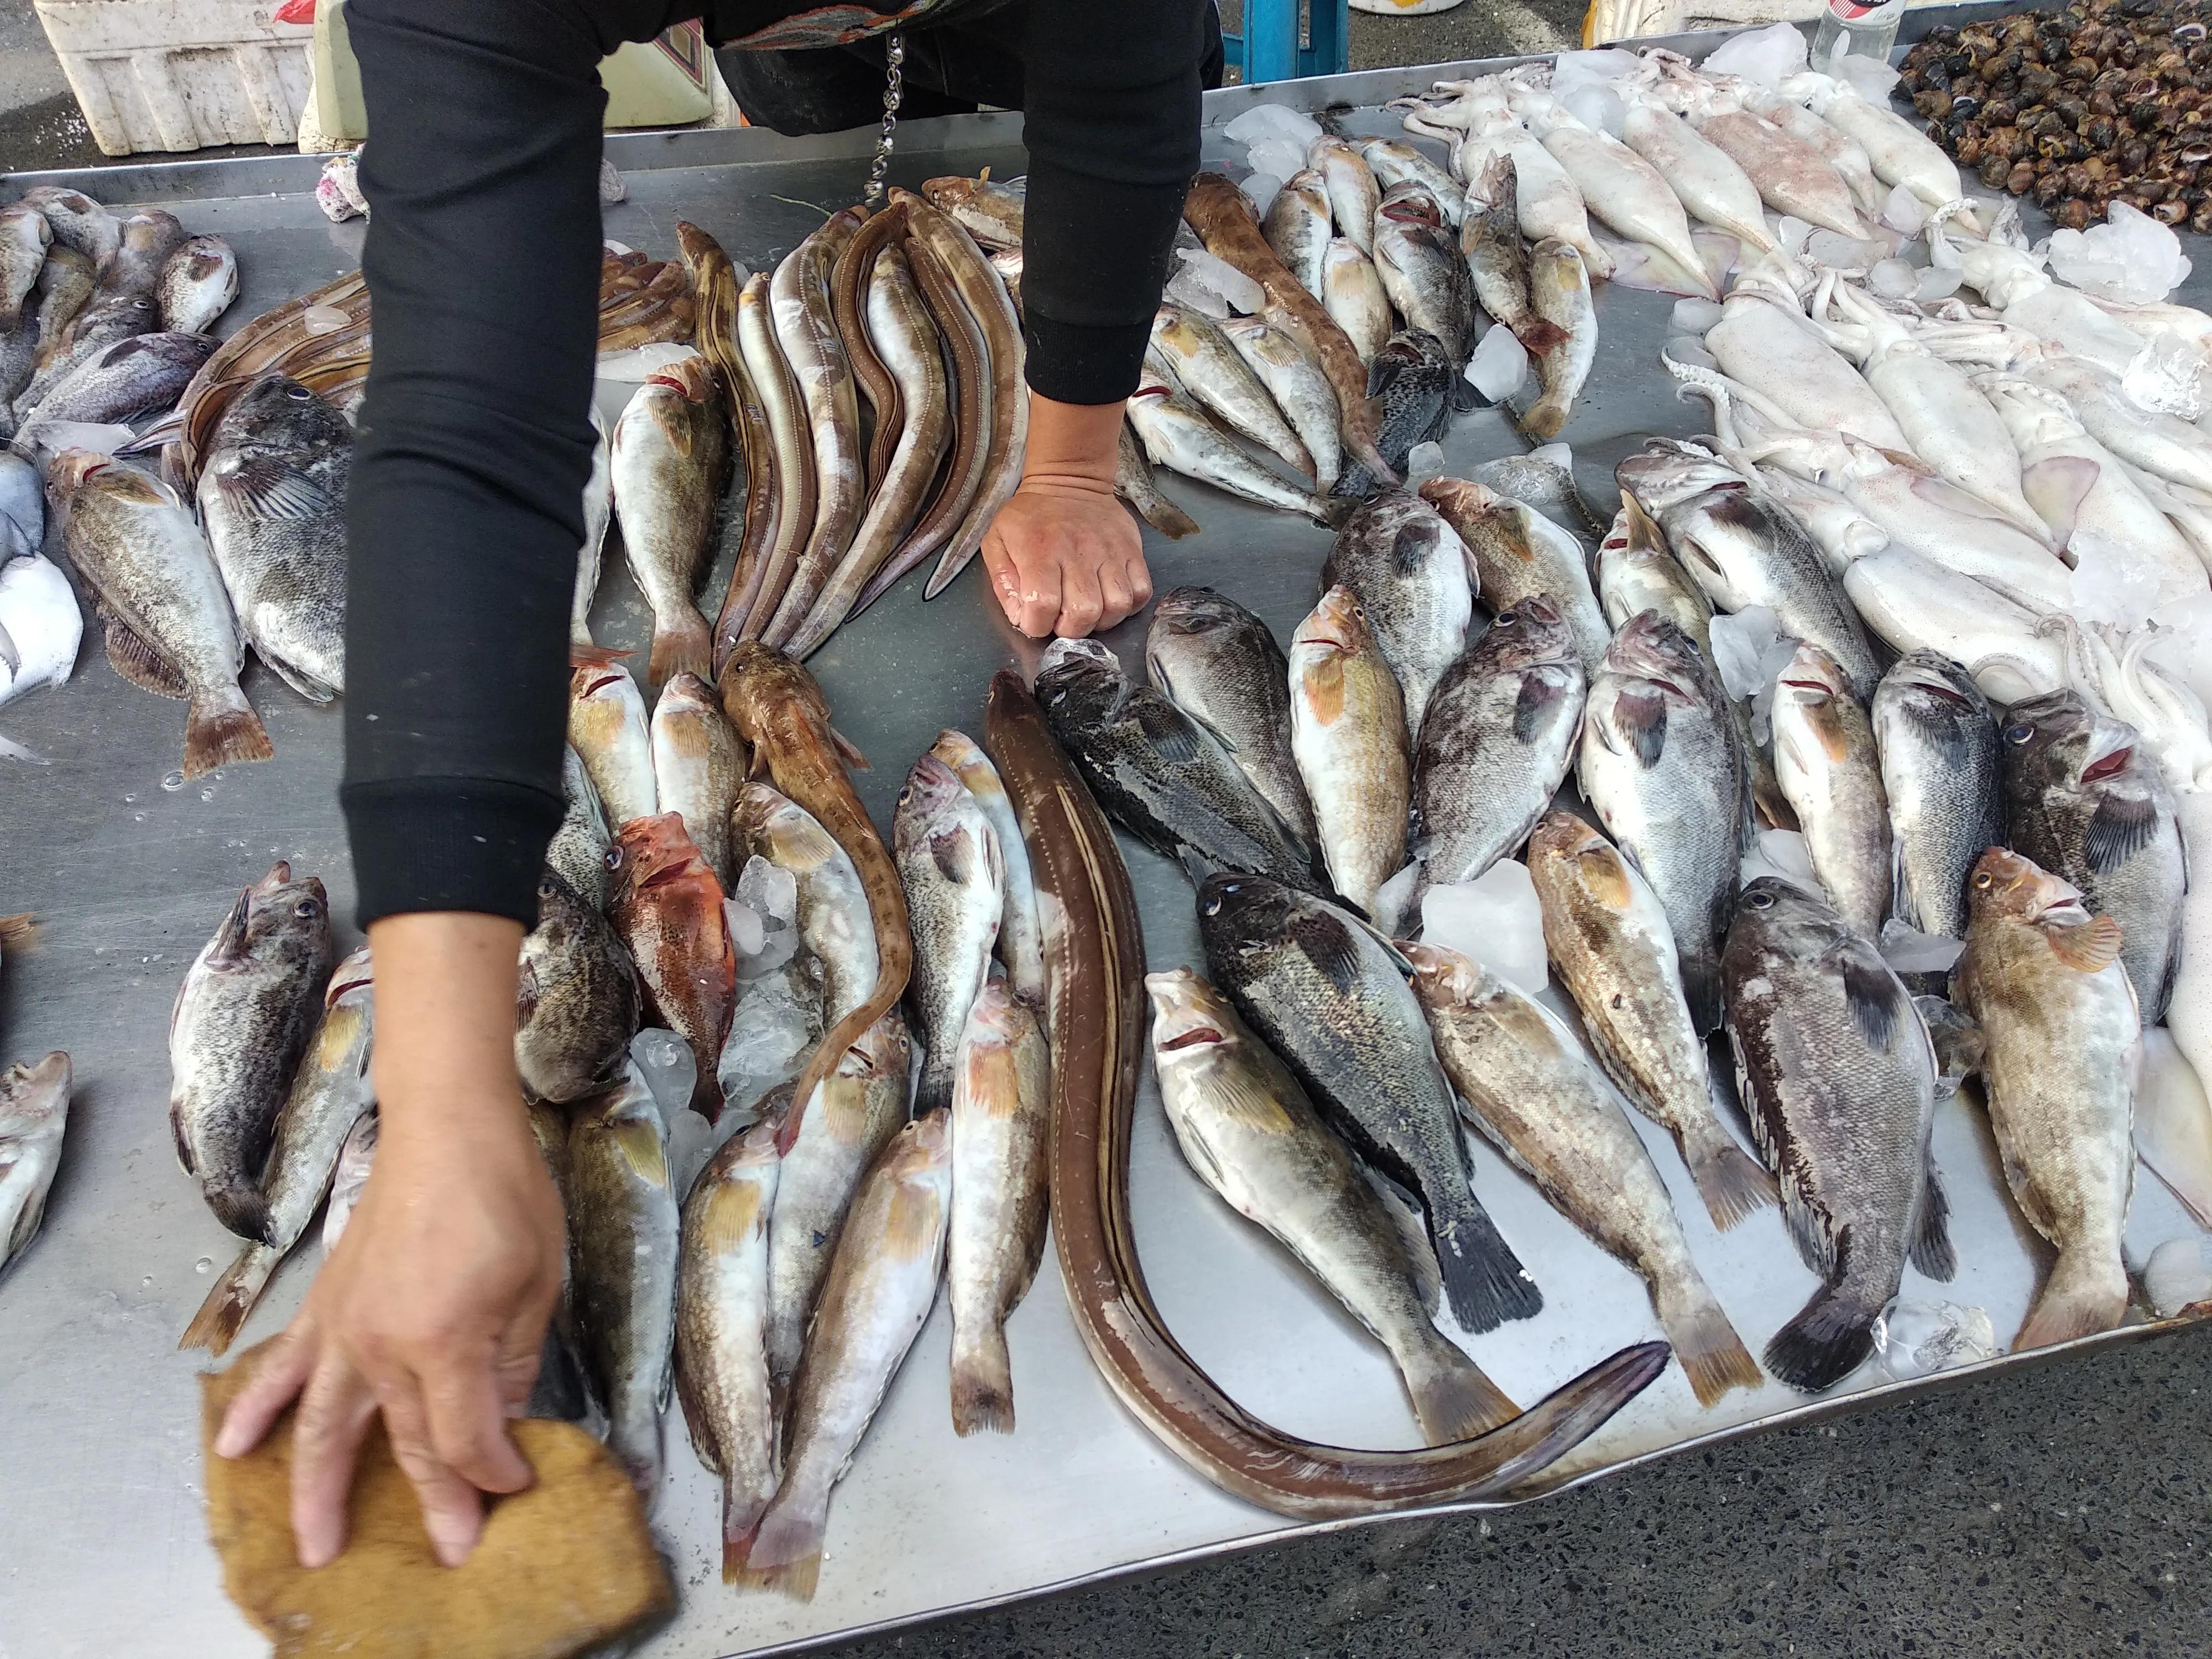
[793,451]
[1095,964]
[848,291]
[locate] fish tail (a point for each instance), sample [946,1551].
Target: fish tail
[1829,1338]
[1454,1399]
[1734,1184]
[222,729]
[1713,1356]
[785,1552]
[1701,990]
[983,1382]
[741,1519]
[242,1209]
[933,1087]
[216,1325]
[19,933]
[1545,417]
[1484,1281]
[1537,336]
[2086,1292]
[685,646]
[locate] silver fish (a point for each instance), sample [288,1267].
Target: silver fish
[1352,290]
[195,284]
[834,920]
[133,377]
[698,766]
[949,859]
[1518,554]
[1299,388]
[1422,270]
[577,1000]
[1825,761]
[1559,295]
[105,320]
[1354,191]
[1411,572]
[578,854]
[1394,161]
[1636,571]
[1177,436]
[665,460]
[1021,931]
[1220,664]
[1209,369]
[1938,742]
[608,730]
[1133,483]
[356,1158]
[33,1112]
[1348,734]
[1297,227]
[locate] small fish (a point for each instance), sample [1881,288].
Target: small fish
[1414,385]
[1209,370]
[834,922]
[356,1159]
[1411,573]
[1001,1118]
[608,730]
[1422,270]
[1637,571]
[698,766]
[1352,290]
[1838,1078]
[1354,190]
[272,499]
[1395,161]
[668,911]
[624,1235]
[2084,803]
[1559,293]
[1825,761]
[149,237]
[1297,227]
[67,281]
[24,233]
[1177,436]
[1328,997]
[1160,773]
[665,460]
[1519,553]
[1528,1087]
[2061,1055]
[33,1112]
[722,1329]
[1497,258]
[1220,664]
[1348,733]
[78,222]
[875,1300]
[1941,771]
[329,1094]
[134,376]
[1609,943]
[1021,931]
[576,999]
[105,320]
[948,856]
[240,1023]
[578,852]
[195,284]
[1299,388]
[1547,483]
[1250,1133]
[1501,731]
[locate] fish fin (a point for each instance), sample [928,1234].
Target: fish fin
[956,855]
[583,655]
[642,1149]
[2088,946]
[138,660]
[1701,990]
[1484,1281]
[2118,829]
[19,933]
[1830,1338]
[1713,1356]
[1454,1399]
[1164,516]
[1537,693]
[982,1382]
[265,487]
[525,992]
[724,1216]
[1732,1184]
[785,1552]
[231,1299]
[2086,1292]
[683,646]
[1197,866]
[914,1226]
[2056,487]
[1328,946]
[1409,547]
[1806,1223]
[228,948]
[1242,1099]
[1545,418]
[1642,716]
[1870,989]
[222,730]
[300,680]
[849,749]
[1170,732]
[242,1209]
[1538,336]
[1932,1254]
[741,1519]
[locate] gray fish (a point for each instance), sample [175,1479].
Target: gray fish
[578,851]
[1501,732]
[19,357]
[1519,553]
[65,284]
[1825,761]
[241,1020]
[1497,259]
[24,233]
[1329,997]
[1394,161]
[1297,227]
[1220,664]
[356,1159]
[1295,381]
[78,222]
[1133,483]
[272,498]
[955,877]
[1348,731]
[1411,572]
[1423,269]
[195,284]
[576,999]
[563,1389]
[33,1113]
[1661,763]
[1412,381]
[138,375]
[150,236]
[665,460]
[1159,772]
[1252,1135]
[2084,803]
[1637,571]
[1208,369]
[329,1094]
[105,320]
[22,508]
[1546,485]
[1179,435]
[1559,293]
[1942,773]
[1838,1079]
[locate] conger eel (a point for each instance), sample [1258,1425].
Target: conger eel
[848,286]
[749,611]
[806,324]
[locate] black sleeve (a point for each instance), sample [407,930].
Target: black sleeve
[465,511]
[1111,121]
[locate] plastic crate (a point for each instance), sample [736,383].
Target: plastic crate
[178,74]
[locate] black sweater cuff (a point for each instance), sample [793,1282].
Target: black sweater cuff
[1080,363]
[448,844]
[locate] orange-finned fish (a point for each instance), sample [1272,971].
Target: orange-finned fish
[668,908]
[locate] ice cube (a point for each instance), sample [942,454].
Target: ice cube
[2113,583]
[1499,365]
[638,364]
[1391,899]
[1936,282]
[1792,234]
[611,188]
[1559,455]
[664,1062]
[1740,644]
[1597,106]
[1842,252]
[1425,460]
[1271,121]
[1572,71]
[2178,1275]
[1911,951]
[748,928]
[1212,272]
[1769,55]
[1872,78]
[1184,289]
[1280,156]
[1690,350]
[1914,1339]
[770,894]
[94,438]
[1893,279]
[1260,191]
[323,319]
[1694,316]
[1771,665]
[691,1141]
[2130,257]
[1904,212]
[1782,853]
[1496,920]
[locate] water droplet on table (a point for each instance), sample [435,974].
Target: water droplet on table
[130,801]
[203,1264]
[173,781]
[207,794]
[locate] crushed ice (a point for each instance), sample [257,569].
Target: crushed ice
[1742,646]
[1780,854]
[1218,275]
[1495,920]
[1911,951]
[1769,55]
[1914,1339]
[1499,365]
[2131,257]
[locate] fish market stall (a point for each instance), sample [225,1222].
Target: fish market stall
[128,865]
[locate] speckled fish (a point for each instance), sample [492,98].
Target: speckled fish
[1329,997]
[878,1296]
[1395,161]
[609,732]
[1530,1090]
[698,766]
[105,319]
[578,852]
[1501,732]
[668,911]
[1825,761]
[1610,944]
[1937,743]
[1497,258]
[1299,388]
[1220,664]
[948,857]
[195,284]
[329,1094]
[34,1103]
[576,1000]
[1661,763]
[1411,572]
[722,1329]
[1177,436]
[1414,385]
[1159,773]
[272,499]
[1021,933]
[834,923]
[665,460]
[1422,270]
[65,284]
[1545,479]
[1297,227]
[624,1235]
[1352,189]
[1352,290]
[1636,571]
[1519,554]
[1838,1077]
[133,377]
[1250,1133]
[2083,803]
[1348,734]
[2061,1051]
[1559,293]
[24,233]
[1001,1116]
[1209,369]
[240,1023]
[78,222]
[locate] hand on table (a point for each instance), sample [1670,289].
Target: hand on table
[1063,554]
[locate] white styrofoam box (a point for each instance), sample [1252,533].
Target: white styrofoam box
[178,75]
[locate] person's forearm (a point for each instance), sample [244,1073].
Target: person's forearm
[1071,441]
[445,1027]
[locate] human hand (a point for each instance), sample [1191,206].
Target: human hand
[1064,555]
[433,1308]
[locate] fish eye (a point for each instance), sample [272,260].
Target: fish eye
[2017,734]
[614,858]
[545,888]
[1759,900]
[1984,880]
[1212,907]
[298,393]
[308,909]
[1505,619]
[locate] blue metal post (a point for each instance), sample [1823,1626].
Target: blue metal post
[1274,47]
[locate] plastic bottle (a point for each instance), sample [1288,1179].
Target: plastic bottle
[1856,28]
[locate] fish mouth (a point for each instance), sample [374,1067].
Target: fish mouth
[1945,693]
[1191,1039]
[1816,686]
[1410,213]
[2110,764]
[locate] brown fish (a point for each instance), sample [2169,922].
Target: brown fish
[668,908]
[576,997]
